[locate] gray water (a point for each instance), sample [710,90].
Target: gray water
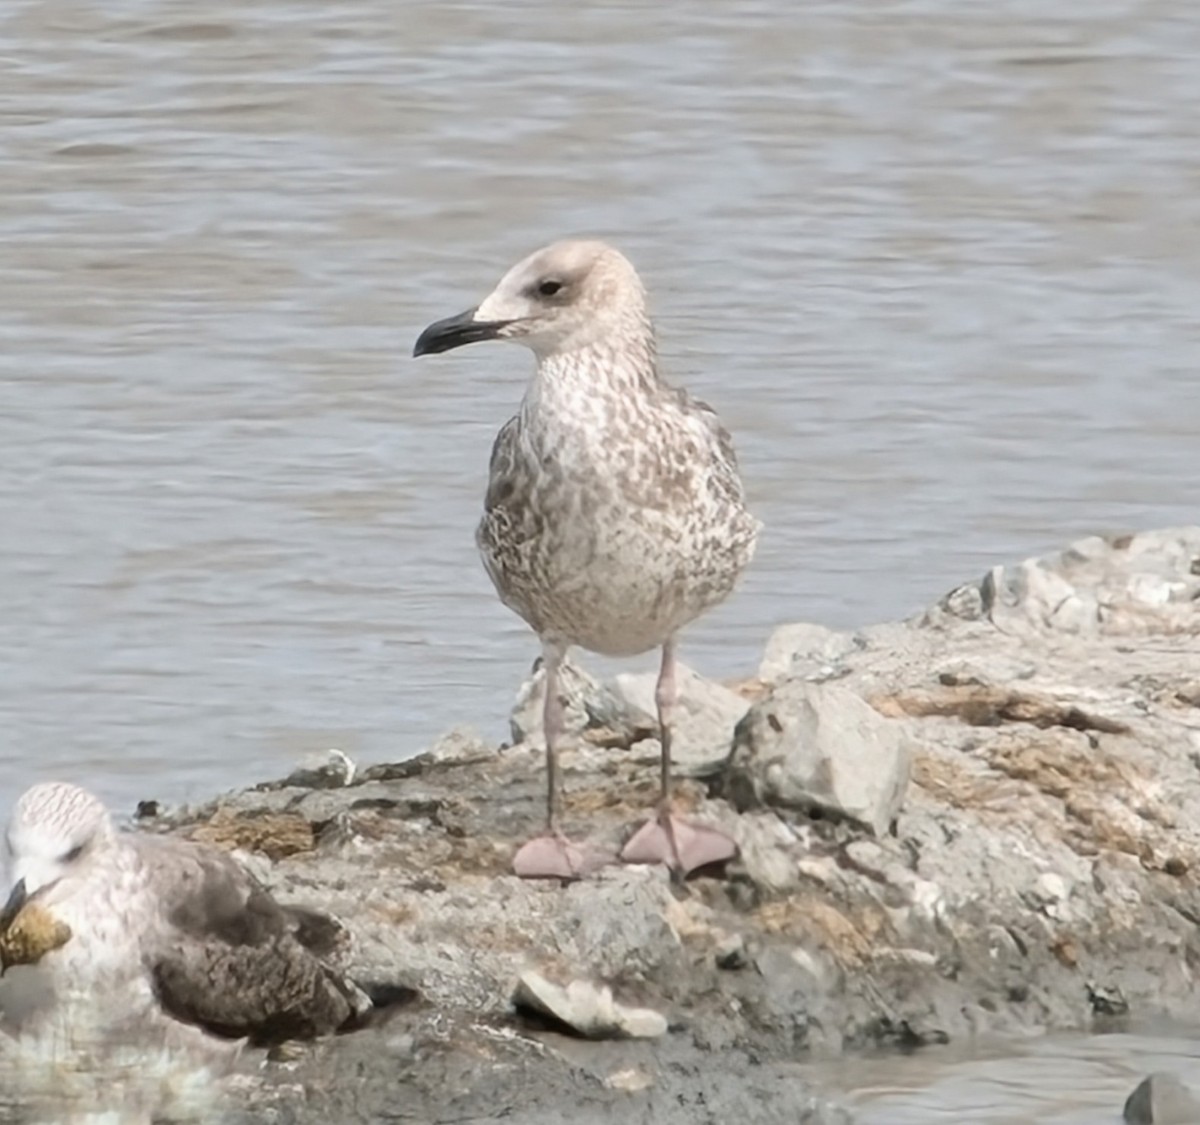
[1056,1080]
[937,264]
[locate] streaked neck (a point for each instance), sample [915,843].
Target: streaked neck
[625,366]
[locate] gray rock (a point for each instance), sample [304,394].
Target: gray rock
[1130,584]
[587,1008]
[802,651]
[731,953]
[462,744]
[589,707]
[1032,592]
[820,746]
[328,770]
[705,717]
[1161,1099]
[767,849]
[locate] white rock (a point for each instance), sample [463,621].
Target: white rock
[630,1080]
[1138,584]
[326,769]
[587,1008]
[820,746]
[764,850]
[803,651]
[1053,888]
[704,719]
[460,744]
[586,703]
[730,953]
[1034,593]
[1149,590]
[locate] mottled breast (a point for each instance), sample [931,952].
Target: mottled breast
[614,530]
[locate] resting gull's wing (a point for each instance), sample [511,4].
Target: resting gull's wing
[225,955]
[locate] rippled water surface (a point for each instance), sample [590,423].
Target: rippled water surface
[1061,1080]
[938,265]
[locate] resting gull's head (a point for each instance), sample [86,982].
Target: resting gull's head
[563,297]
[56,833]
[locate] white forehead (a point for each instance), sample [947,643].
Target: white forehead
[55,809]
[575,260]
[572,256]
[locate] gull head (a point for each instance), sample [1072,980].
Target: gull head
[54,836]
[562,298]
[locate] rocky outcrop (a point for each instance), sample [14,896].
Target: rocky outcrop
[1161,1099]
[822,750]
[981,819]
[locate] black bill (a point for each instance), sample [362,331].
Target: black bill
[16,899]
[454,331]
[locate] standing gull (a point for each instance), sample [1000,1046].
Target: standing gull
[153,922]
[614,513]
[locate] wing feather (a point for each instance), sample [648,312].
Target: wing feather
[228,957]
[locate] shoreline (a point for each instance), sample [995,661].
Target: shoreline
[979,821]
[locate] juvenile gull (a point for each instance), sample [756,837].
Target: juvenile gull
[157,923]
[614,513]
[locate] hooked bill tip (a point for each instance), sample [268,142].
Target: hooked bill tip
[454,332]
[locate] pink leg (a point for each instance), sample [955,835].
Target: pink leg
[552,725]
[680,844]
[552,855]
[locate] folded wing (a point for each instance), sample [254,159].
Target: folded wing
[226,956]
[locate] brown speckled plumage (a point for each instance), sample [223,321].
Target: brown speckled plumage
[614,513]
[160,926]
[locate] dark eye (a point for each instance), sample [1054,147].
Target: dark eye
[550,287]
[73,854]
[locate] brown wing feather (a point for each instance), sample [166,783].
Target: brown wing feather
[234,961]
[725,462]
[502,466]
[496,535]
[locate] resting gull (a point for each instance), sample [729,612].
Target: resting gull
[614,513]
[155,920]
